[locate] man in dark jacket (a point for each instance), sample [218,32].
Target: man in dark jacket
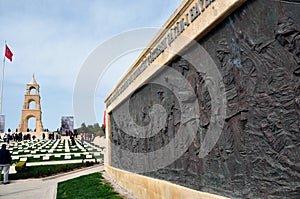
[5,161]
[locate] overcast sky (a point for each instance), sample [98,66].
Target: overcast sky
[52,39]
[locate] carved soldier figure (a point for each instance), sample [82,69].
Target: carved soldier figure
[289,37]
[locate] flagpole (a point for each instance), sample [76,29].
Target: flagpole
[3,66]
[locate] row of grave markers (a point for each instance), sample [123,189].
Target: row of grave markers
[46,148]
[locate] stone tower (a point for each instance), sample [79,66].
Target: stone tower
[32,95]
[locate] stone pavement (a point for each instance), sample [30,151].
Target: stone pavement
[44,188]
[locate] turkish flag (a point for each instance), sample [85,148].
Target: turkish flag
[8,53]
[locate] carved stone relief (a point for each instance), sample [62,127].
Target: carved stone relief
[257,51]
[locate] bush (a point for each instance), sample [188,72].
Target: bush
[21,166]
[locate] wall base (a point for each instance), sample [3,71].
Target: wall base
[150,188]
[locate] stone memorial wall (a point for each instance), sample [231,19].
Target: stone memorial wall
[257,155]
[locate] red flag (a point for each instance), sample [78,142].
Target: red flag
[8,53]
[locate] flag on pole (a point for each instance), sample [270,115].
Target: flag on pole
[8,53]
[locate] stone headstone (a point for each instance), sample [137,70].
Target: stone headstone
[88,156]
[46,158]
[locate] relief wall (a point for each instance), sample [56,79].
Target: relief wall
[257,51]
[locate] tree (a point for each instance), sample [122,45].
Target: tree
[83,125]
[89,129]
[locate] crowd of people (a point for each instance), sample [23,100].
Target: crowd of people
[18,137]
[15,137]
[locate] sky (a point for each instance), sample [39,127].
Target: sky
[52,39]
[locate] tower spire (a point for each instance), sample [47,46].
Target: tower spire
[33,81]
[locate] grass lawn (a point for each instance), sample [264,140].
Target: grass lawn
[89,186]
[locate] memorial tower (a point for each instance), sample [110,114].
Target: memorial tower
[32,95]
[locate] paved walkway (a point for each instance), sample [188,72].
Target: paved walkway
[43,188]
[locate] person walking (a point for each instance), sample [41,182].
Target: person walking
[5,138]
[5,162]
[82,140]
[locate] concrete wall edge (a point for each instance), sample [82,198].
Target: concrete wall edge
[151,188]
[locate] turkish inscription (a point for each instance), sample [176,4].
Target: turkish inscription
[193,13]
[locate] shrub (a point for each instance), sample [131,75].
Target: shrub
[21,166]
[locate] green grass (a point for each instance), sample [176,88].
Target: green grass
[99,156]
[47,170]
[89,186]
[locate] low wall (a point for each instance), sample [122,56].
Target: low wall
[146,187]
